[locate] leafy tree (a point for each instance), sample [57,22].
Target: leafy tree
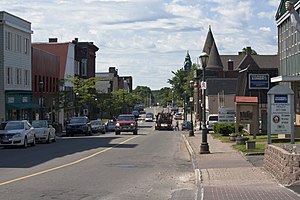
[253,52]
[144,93]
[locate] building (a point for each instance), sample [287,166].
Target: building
[15,68]
[289,55]
[228,76]
[111,81]
[45,83]
[75,59]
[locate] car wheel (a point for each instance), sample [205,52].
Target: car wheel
[33,142]
[117,133]
[25,145]
[135,132]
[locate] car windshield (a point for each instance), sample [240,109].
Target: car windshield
[95,123]
[39,124]
[14,125]
[149,115]
[77,120]
[213,118]
[126,118]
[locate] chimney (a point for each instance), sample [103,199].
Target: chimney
[52,40]
[230,65]
[75,41]
[240,53]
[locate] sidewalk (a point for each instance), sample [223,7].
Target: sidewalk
[225,174]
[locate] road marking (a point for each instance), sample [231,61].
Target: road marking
[65,165]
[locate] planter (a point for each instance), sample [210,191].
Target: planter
[241,140]
[250,145]
[232,138]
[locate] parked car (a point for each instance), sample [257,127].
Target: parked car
[149,117]
[98,126]
[17,133]
[126,123]
[178,116]
[79,125]
[110,126]
[136,114]
[44,132]
[186,125]
[212,119]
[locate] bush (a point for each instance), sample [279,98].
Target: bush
[226,129]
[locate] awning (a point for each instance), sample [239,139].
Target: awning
[285,79]
[22,106]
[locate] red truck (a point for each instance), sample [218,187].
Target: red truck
[126,123]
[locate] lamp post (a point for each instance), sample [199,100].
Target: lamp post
[204,148]
[191,133]
[41,100]
[76,95]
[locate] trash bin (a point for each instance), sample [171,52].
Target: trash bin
[250,145]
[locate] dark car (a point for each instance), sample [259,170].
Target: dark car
[136,114]
[110,126]
[79,125]
[97,126]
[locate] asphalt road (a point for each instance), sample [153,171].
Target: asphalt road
[151,165]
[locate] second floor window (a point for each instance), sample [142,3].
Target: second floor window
[84,67]
[19,76]
[26,77]
[9,76]
[8,40]
[26,45]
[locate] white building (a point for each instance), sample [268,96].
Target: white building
[15,68]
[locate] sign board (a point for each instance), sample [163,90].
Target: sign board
[259,81]
[280,114]
[203,85]
[226,116]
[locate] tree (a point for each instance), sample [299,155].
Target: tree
[253,52]
[144,93]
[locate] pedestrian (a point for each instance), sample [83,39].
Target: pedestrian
[177,126]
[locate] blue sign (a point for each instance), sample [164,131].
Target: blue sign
[259,81]
[280,98]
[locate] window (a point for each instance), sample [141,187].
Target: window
[84,67]
[9,76]
[26,45]
[26,77]
[18,43]
[19,76]
[8,40]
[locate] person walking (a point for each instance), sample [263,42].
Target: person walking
[177,126]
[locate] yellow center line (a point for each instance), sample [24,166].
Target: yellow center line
[65,165]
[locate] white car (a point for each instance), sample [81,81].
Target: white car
[44,132]
[212,119]
[17,133]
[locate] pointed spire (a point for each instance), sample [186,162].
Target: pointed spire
[209,41]
[187,62]
[214,60]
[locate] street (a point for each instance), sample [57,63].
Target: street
[151,165]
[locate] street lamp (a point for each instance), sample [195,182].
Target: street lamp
[191,133]
[76,95]
[204,148]
[41,99]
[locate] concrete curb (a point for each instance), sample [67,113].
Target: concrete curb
[198,175]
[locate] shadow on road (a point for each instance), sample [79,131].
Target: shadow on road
[25,158]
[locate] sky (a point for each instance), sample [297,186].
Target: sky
[148,39]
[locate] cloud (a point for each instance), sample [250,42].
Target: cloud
[149,38]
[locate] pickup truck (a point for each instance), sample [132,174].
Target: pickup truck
[126,123]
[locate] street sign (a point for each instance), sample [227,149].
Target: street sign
[203,85]
[259,81]
[281,114]
[226,116]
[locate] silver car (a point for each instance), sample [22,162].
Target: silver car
[44,132]
[17,133]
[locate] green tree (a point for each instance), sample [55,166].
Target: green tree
[253,52]
[144,93]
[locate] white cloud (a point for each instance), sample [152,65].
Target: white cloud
[149,38]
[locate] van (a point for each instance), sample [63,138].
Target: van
[212,119]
